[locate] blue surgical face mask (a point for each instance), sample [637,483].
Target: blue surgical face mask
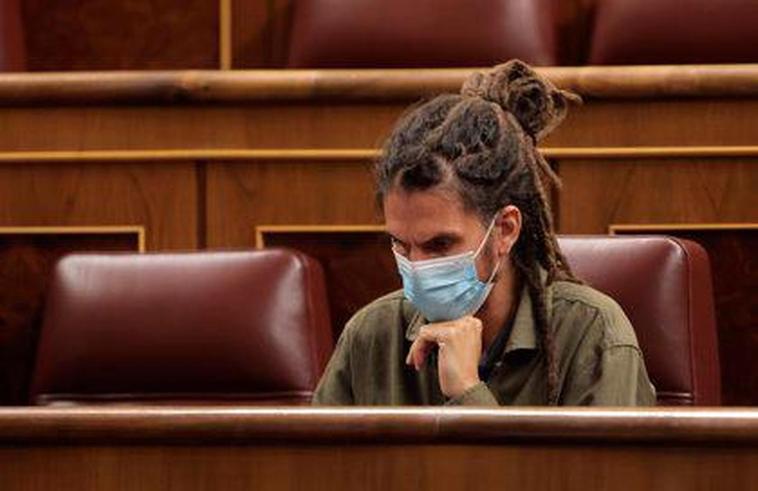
[446,288]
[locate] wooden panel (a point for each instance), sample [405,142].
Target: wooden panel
[117,34]
[357,262]
[354,126]
[357,126]
[12,48]
[597,194]
[27,256]
[377,467]
[241,197]
[260,33]
[196,127]
[658,122]
[162,198]
[732,252]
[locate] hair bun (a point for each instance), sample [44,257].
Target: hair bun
[536,103]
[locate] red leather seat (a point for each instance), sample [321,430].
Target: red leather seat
[206,327]
[420,33]
[664,286]
[12,52]
[629,32]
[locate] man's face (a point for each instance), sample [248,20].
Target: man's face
[431,223]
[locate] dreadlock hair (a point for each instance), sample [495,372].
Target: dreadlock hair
[482,144]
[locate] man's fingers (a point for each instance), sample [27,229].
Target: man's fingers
[437,334]
[420,349]
[460,348]
[429,336]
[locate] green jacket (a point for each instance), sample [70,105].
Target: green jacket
[599,360]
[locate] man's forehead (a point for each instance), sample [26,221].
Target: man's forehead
[431,204]
[424,215]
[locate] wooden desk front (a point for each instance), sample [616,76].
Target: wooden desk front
[265,448]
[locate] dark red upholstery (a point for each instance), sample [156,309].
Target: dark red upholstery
[674,32]
[420,33]
[664,286]
[190,327]
[12,52]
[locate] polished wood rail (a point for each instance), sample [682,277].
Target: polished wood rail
[388,425]
[342,84]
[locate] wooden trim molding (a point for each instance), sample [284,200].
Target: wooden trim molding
[225,34]
[139,230]
[614,229]
[357,154]
[261,230]
[589,153]
[248,86]
[330,154]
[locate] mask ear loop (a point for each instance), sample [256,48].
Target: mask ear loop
[488,284]
[481,246]
[486,236]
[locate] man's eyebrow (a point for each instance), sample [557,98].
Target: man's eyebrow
[449,236]
[444,236]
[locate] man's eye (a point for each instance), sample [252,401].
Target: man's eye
[438,246]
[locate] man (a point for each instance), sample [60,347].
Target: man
[490,313]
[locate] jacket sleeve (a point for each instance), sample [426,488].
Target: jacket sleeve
[335,386]
[617,378]
[609,369]
[478,395]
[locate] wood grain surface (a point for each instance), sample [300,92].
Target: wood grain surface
[377,466]
[118,34]
[162,198]
[261,33]
[241,197]
[692,190]
[328,448]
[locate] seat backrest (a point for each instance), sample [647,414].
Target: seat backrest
[12,47]
[420,33]
[664,286]
[201,327]
[639,32]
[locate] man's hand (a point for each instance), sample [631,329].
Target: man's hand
[460,347]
